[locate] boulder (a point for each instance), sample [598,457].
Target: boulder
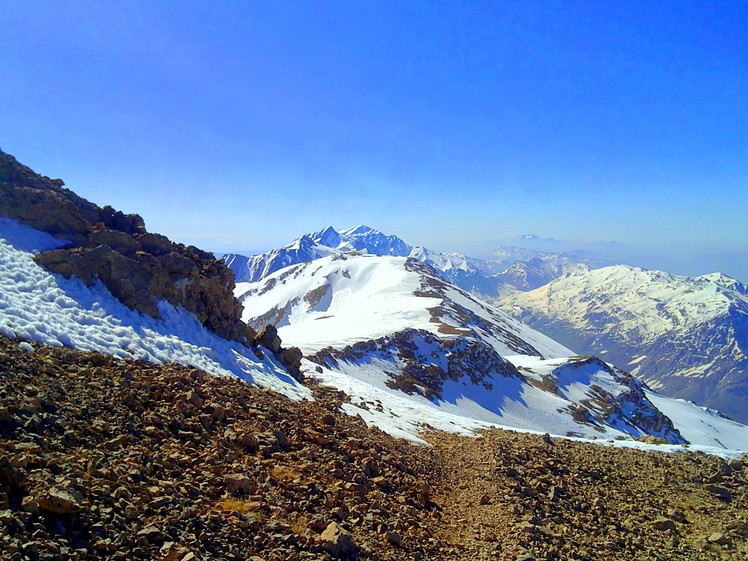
[291,359]
[337,541]
[268,338]
[237,482]
[59,500]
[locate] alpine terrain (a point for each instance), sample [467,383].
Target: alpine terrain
[409,348]
[685,336]
[152,409]
[506,266]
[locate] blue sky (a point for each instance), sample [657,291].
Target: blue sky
[239,125]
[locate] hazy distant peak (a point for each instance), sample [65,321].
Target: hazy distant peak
[531,238]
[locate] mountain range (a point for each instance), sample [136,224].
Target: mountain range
[506,266]
[409,349]
[619,303]
[685,336]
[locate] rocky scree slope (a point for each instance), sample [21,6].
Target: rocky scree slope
[138,267]
[687,337]
[105,459]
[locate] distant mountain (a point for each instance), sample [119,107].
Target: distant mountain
[505,266]
[411,349]
[554,263]
[685,336]
[470,274]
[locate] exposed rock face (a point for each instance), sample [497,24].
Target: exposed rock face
[414,352]
[268,338]
[137,267]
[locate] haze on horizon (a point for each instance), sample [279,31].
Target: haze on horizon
[241,126]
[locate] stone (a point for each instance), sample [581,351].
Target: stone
[677,515]
[59,500]
[664,525]
[237,482]
[29,504]
[193,398]
[268,338]
[151,534]
[720,492]
[337,541]
[291,359]
[173,552]
[719,538]
[394,538]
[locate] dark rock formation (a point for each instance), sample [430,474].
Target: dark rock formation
[290,358]
[415,371]
[138,267]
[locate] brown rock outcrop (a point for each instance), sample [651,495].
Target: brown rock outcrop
[138,267]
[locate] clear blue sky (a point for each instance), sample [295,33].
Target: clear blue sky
[240,125]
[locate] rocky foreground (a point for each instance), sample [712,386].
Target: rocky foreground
[105,459]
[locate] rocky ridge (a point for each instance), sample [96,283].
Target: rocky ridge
[105,459]
[138,267]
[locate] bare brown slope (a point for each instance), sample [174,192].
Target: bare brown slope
[103,459]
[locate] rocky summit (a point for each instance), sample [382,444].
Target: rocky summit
[120,459]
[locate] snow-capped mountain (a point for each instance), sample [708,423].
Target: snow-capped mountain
[413,350]
[505,266]
[685,336]
[313,246]
[466,272]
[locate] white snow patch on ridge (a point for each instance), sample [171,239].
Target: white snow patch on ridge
[372,296]
[368,296]
[374,310]
[38,305]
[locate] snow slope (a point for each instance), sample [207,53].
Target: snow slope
[345,299]
[685,336]
[412,350]
[41,306]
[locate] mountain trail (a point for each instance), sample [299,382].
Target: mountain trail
[119,459]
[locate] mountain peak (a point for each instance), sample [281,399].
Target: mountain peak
[328,237]
[725,281]
[359,231]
